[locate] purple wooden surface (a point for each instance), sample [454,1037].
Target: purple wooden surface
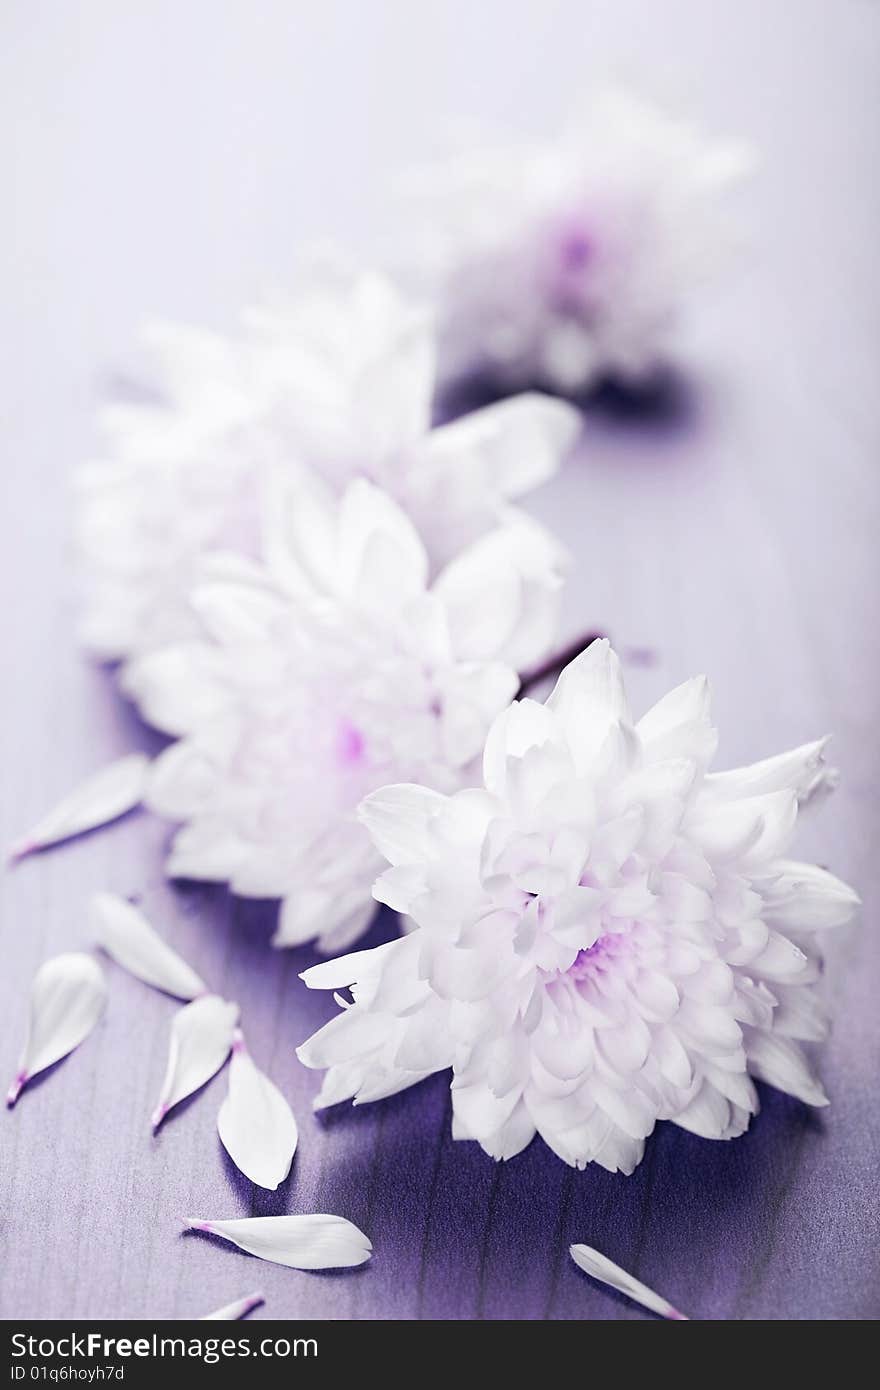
[165,158]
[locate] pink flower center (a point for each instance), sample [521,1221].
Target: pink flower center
[603,955]
[351,745]
[576,250]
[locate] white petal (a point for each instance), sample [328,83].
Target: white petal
[679,725]
[345,970]
[382,563]
[801,770]
[231,1312]
[781,1063]
[600,1267]
[255,1123]
[510,447]
[755,829]
[101,798]
[523,725]
[177,687]
[352,1034]
[399,819]
[201,1036]
[68,996]
[300,1242]
[127,937]
[806,898]
[500,594]
[588,699]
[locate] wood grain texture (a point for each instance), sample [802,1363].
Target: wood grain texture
[167,159]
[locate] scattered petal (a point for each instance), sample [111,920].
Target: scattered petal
[300,1242]
[201,1037]
[102,798]
[231,1312]
[127,937]
[68,996]
[256,1124]
[607,1272]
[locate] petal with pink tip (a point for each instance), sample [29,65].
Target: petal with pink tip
[68,996]
[201,1037]
[599,1267]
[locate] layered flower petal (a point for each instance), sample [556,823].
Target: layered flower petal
[598,1266]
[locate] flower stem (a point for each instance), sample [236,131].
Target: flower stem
[555,662]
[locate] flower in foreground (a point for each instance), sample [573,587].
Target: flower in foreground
[563,261]
[337,668]
[334,381]
[606,935]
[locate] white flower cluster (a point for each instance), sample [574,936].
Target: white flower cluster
[607,934]
[329,604]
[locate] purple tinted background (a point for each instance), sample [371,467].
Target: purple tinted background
[165,158]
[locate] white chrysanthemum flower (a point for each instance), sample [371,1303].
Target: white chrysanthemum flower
[606,935]
[562,262]
[330,672]
[335,381]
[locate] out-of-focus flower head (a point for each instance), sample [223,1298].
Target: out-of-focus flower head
[333,381]
[334,668]
[606,935]
[562,262]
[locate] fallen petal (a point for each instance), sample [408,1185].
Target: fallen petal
[231,1312]
[127,937]
[256,1125]
[603,1269]
[201,1036]
[103,797]
[68,996]
[300,1242]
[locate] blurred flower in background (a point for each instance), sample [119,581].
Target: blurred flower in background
[333,381]
[557,264]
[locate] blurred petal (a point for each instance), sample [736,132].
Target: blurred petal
[255,1123]
[101,798]
[589,699]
